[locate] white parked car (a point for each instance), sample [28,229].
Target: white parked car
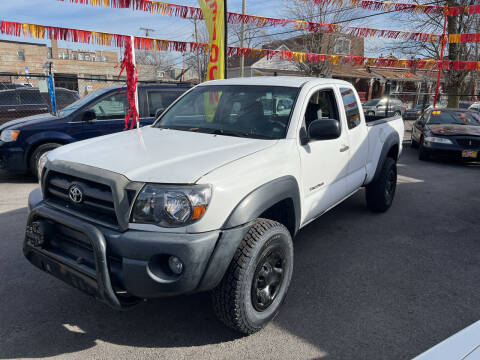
[211,195]
[475,106]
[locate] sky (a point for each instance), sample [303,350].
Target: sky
[128,22]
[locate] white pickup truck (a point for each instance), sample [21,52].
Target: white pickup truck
[211,195]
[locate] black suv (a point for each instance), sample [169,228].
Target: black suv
[26,101]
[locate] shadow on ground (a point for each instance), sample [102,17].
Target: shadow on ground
[365,286]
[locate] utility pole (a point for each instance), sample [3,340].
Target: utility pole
[225,17]
[242,39]
[199,70]
[147,31]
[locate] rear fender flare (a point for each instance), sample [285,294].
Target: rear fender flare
[391,140]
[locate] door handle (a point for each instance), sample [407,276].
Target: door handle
[11,110]
[344,148]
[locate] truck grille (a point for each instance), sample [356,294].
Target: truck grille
[96,201]
[469,143]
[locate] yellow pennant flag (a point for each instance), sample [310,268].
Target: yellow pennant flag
[214,15]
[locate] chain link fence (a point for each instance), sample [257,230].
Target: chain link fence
[27,95]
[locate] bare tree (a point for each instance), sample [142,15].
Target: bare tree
[198,61]
[457,82]
[331,12]
[160,60]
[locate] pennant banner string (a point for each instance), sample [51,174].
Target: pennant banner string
[106,39]
[406,7]
[191,12]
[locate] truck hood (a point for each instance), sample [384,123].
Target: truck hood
[160,155]
[452,129]
[35,119]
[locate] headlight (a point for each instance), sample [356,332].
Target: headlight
[438,140]
[42,160]
[9,135]
[171,206]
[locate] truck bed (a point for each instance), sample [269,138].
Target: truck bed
[372,120]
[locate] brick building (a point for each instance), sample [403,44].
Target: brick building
[80,70]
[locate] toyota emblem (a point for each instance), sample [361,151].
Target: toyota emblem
[75,194]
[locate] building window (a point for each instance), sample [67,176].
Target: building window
[74,56]
[81,56]
[49,53]
[21,55]
[63,56]
[87,57]
[98,58]
[342,46]
[105,58]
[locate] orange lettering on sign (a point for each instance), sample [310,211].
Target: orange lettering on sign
[211,74]
[214,53]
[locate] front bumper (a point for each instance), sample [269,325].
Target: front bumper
[120,268]
[448,151]
[12,158]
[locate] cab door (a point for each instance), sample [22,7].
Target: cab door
[324,163]
[357,138]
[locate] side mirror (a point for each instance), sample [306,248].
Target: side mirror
[89,115]
[159,112]
[324,129]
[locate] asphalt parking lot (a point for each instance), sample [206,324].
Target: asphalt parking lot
[365,286]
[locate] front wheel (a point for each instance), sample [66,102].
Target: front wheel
[38,153]
[380,192]
[256,282]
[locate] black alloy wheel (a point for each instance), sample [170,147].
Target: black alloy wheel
[268,278]
[390,185]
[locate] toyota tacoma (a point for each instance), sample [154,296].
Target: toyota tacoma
[211,195]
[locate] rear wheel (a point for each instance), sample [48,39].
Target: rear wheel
[256,282]
[380,192]
[37,154]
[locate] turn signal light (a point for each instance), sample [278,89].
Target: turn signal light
[198,211]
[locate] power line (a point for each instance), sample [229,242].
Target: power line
[334,23]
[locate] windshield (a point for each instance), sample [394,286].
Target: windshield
[79,103]
[261,112]
[421,106]
[454,117]
[372,102]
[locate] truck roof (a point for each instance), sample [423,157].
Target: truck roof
[290,81]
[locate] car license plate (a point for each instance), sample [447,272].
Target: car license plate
[469,154]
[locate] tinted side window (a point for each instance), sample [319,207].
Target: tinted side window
[351,107]
[8,98]
[322,105]
[64,97]
[161,100]
[31,97]
[111,107]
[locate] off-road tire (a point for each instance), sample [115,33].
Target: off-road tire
[232,298]
[37,153]
[381,191]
